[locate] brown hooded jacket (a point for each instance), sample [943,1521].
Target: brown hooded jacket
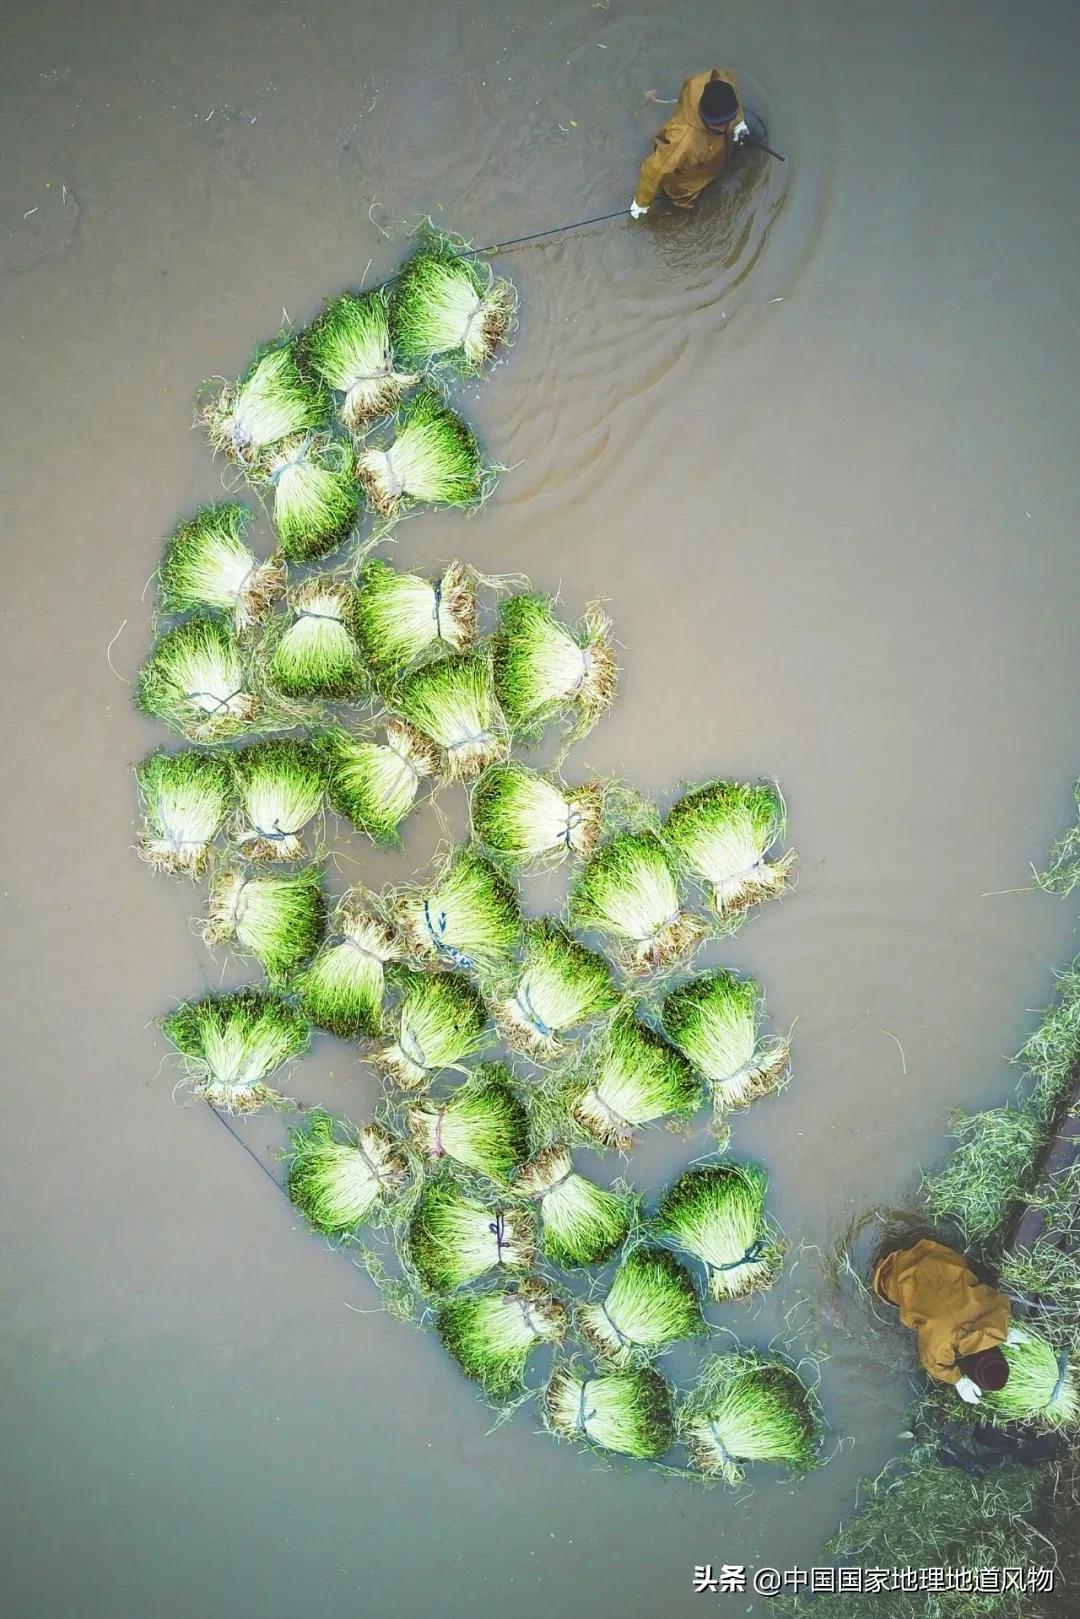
[686,156]
[951,1313]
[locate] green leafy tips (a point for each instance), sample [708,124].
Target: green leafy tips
[721,832]
[209,567]
[280,786]
[467,915]
[344,986]
[544,669]
[453,704]
[318,655]
[404,620]
[271,402]
[230,1044]
[651,1304]
[629,1413]
[440,1021]
[713,1020]
[375,784]
[185,799]
[433,461]
[338,1176]
[454,1238]
[583,1223]
[559,987]
[717,1214]
[629,891]
[314,495]
[631,1077]
[348,348]
[524,817]
[197,682]
[746,1408]
[491,1335]
[482,1125]
[446,306]
[276,919]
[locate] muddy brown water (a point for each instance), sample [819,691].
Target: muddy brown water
[816,445]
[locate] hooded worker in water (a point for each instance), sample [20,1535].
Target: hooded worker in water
[695,143]
[959,1322]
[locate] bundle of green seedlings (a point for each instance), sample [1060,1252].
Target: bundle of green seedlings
[271,402]
[453,704]
[403,619]
[544,669]
[465,916]
[344,986]
[231,1043]
[481,1125]
[208,565]
[454,1237]
[348,349]
[629,1077]
[629,1413]
[375,784]
[583,1223]
[558,987]
[276,919]
[440,1021]
[525,818]
[717,1214]
[314,495]
[713,1020]
[446,306]
[340,1177]
[651,1304]
[986,1173]
[721,833]
[746,1408]
[185,799]
[491,1335]
[280,785]
[1063,873]
[317,654]
[433,461]
[1042,1386]
[197,681]
[628,890]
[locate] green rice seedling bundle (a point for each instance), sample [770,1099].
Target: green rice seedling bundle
[280,785]
[185,799]
[271,402]
[344,986]
[374,784]
[544,669]
[349,349]
[482,1125]
[338,1176]
[209,566]
[276,919]
[629,1412]
[492,1335]
[441,1020]
[404,619]
[631,1077]
[651,1304]
[560,986]
[628,890]
[747,1409]
[314,498]
[583,1223]
[318,654]
[448,307]
[717,1214]
[453,703]
[467,915]
[230,1044]
[453,1238]
[1042,1386]
[433,461]
[525,817]
[713,1020]
[721,832]
[197,682]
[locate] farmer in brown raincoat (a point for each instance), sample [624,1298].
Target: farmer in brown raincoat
[695,143]
[960,1323]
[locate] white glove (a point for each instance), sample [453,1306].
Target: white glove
[1016,1336]
[969,1391]
[636,212]
[741,128]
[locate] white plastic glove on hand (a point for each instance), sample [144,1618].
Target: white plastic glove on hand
[969,1391]
[1016,1336]
[741,129]
[636,212]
